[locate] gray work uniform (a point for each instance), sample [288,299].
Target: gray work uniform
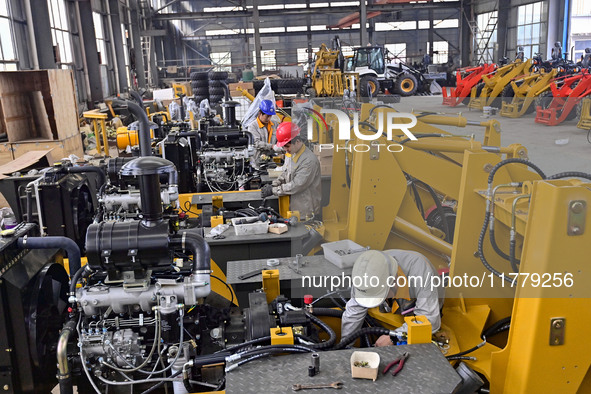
[428,302]
[300,180]
[260,136]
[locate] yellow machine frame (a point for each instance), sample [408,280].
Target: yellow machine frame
[378,210]
[495,82]
[97,119]
[327,80]
[525,94]
[585,119]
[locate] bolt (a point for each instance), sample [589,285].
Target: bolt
[575,230]
[556,341]
[6,387]
[476,254]
[558,324]
[487,167]
[577,207]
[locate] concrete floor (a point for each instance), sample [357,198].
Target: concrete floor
[539,140]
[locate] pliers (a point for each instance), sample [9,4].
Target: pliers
[400,361]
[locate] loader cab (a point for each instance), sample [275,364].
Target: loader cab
[371,58]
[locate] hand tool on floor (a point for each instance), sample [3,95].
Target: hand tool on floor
[335,385]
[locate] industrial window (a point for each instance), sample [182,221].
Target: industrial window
[100,37]
[530,28]
[222,61]
[398,51]
[486,36]
[60,33]
[303,54]
[440,51]
[581,8]
[267,59]
[8,56]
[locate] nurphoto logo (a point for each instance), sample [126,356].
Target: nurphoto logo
[394,121]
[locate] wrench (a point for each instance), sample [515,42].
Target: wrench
[335,385]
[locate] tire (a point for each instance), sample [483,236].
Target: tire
[198,99]
[406,85]
[199,75]
[479,88]
[215,98]
[215,91]
[311,92]
[200,83]
[218,83]
[508,94]
[369,86]
[201,91]
[543,100]
[219,75]
[274,84]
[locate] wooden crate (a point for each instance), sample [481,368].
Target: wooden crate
[5,153]
[39,104]
[59,148]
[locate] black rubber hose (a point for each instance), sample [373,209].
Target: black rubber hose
[332,336]
[97,170]
[327,312]
[500,164]
[276,348]
[197,245]
[29,205]
[496,326]
[512,259]
[188,386]
[495,246]
[65,385]
[54,242]
[481,344]
[136,96]
[356,334]
[570,174]
[144,129]
[439,207]
[252,342]
[76,278]
[269,353]
[481,251]
[64,374]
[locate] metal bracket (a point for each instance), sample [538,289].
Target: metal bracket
[369,217]
[557,331]
[577,212]
[374,151]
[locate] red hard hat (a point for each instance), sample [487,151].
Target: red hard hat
[286,132]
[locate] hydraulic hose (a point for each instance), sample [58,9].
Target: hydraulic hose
[496,326]
[144,131]
[29,205]
[136,96]
[97,170]
[82,271]
[358,333]
[571,174]
[54,242]
[332,336]
[64,376]
[252,342]
[439,207]
[329,312]
[198,247]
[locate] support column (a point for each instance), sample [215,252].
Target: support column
[465,33]
[42,28]
[430,34]
[555,24]
[257,35]
[502,21]
[363,38]
[134,19]
[118,44]
[90,52]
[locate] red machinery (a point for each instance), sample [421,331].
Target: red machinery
[466,79]
[566,94]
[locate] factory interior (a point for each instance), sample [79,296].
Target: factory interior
[262,196]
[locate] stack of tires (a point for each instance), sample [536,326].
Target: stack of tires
[281,86]
[217,83]
[200,85]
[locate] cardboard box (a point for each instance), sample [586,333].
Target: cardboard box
[38,105]
[323,152]
[59,148]
[278,228]
[326,170]
[368,372]
[243,85]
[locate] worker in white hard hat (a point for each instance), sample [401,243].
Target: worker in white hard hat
[372,274]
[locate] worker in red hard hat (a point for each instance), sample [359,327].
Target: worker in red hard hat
[263,131]
[300,178]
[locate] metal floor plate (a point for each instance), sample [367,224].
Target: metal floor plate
[425,372]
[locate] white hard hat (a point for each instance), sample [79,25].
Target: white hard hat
[370,277]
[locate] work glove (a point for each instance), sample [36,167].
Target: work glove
[276,182]
[262,145]
[266,191]
[277,149]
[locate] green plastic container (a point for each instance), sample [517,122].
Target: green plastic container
[247,75]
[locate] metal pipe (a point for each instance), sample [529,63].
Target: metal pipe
[458,121]
[198,247]
[64,376]
[144,130]
[410,230]
[83,50]
[113,51]
[31,29]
